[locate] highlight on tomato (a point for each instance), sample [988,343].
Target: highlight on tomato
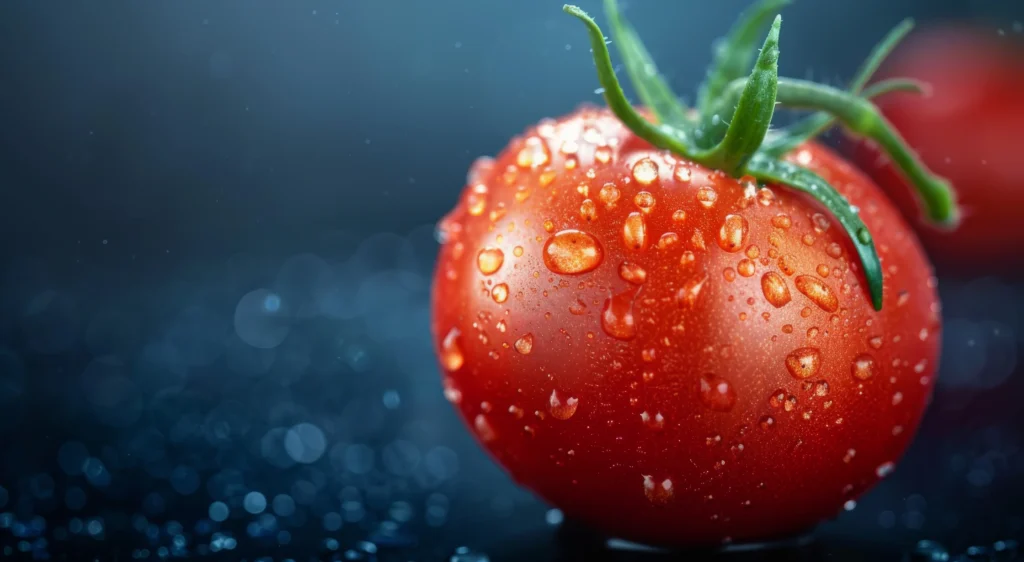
[968,129]
[682,327]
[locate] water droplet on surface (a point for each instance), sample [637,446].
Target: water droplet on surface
[667,240]
[679,216]
[863,367]
[609,195]
[682,173]
[603,154]
[766,422]
[588,210]
[500,293]
[645,171]
[524,345]
[716,393]
[561,407]
[489,260]
[821,388]
[517,251]
[834,250]
[632,273]
[451,392]
[658,493]
[483,428]
[451,352]
[634,231]
[903,297]
[818,291]
[897,398]
[775,290]
[655,422]
[804,362]
[746,268]
[644,201]
[733,233]
[707,196]
[786,264]
[572,252]
[617,317]
[875,342]
[578,308]
[885,469]
[782,221]
[534,154]
[689,293]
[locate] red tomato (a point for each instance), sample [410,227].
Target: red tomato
[673,355]
[969,131]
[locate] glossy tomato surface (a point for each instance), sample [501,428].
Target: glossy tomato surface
[968,130]
[672,355]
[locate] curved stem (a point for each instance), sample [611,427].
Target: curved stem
[753,114]
[806,129]
[643,73]
[665,136]
[734,54]
[783,173]
[882,50]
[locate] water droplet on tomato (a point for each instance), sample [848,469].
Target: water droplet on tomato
[787,264]
[572,252]
[578,308]
[483,428]
[679,216]
[634,231]
[689,293]
[733,233]
[655,421]
[707,196]
[818,291]
[746,268]
[609,195]
[767,422]
[524,345]
[804,362]
[500,293]
[451,352]
[632,273]
[562,407]
[644,201]
[875,342]
[658,493]
[534,153]
[489,260]
[885,469]
[645,171]
[716,393]
[821,388]
[588,210]
[775,290]
[782,221]
[863,367]
[517,251]
[834,250]
[667,240]
[617,317]
[682,173]
[603,154]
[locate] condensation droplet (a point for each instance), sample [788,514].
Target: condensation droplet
[562,408]
[645,171]
[524,345]
[863,367]
[716,393]
[658,493]
[782,221]
[834,250]
[775,290]
[655,422]
[679,216]
[572,252]
[733,233]
[534,154]
[617,317]
[818,291]
[500,293]
[875,342]
[885,469]
[707,196]
[609,195]
[632,273]
[588,210]
[804,362]
[484,429]
[634,231]
[451,352]
[689,293]
[767,422]
[489,260]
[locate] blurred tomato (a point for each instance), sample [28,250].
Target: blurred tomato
[969,129]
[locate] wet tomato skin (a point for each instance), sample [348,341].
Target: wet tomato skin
[968,130]
[672,355]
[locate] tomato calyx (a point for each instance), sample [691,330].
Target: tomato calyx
[729,130]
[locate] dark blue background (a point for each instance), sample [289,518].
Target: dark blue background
[216,245]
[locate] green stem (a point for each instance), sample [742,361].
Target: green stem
[753,113]
[787,139]
[734,55]
[663,136]
[643,73]
[784,173]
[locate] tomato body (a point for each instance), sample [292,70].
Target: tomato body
[672,355]
[967,130]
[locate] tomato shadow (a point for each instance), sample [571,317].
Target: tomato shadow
[575,541]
